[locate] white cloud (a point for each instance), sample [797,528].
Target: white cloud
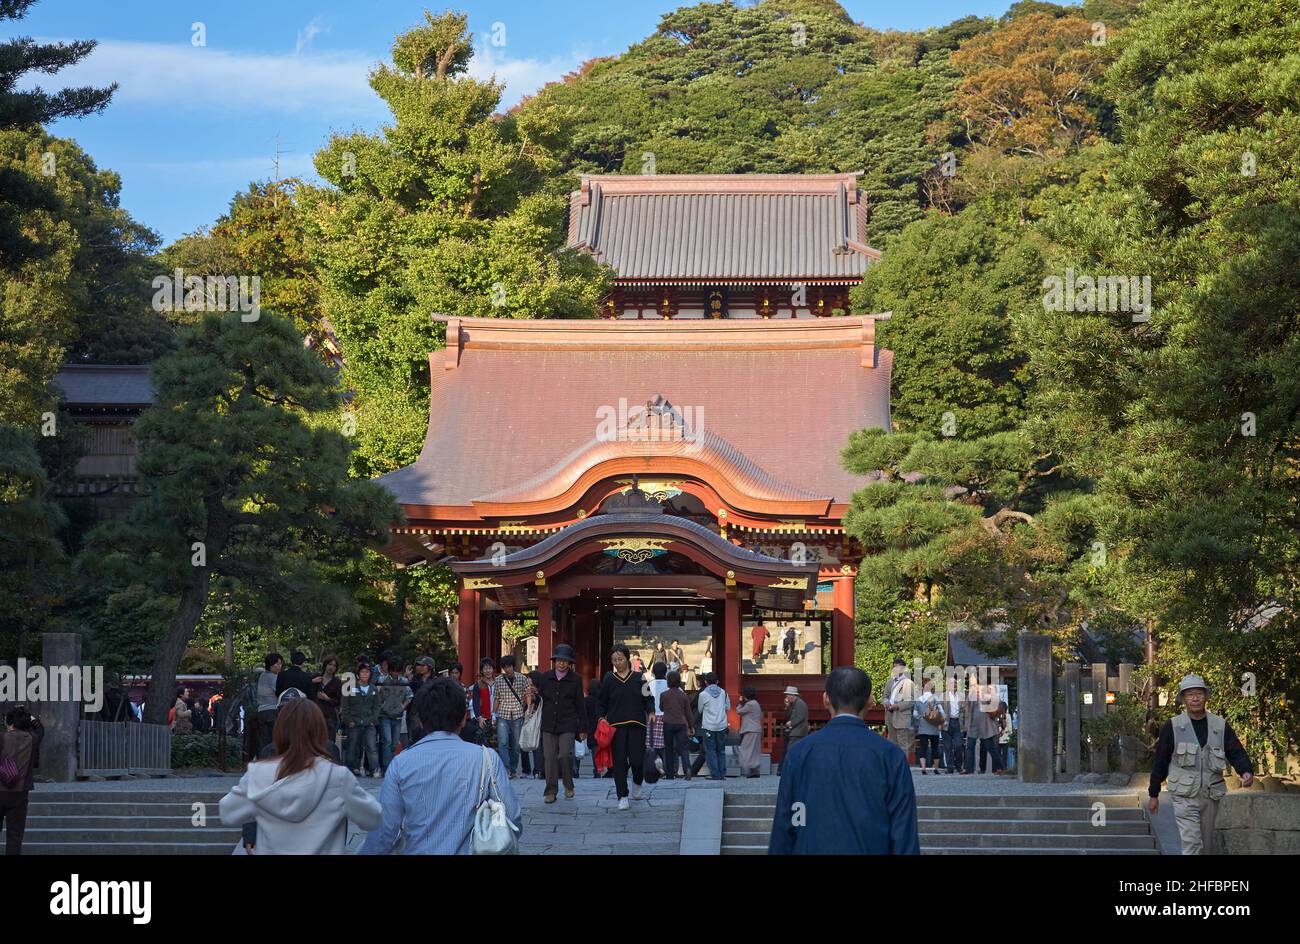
[307,34]
[181,76]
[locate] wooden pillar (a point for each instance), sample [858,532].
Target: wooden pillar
[585,643]
[843,636]
[467,632]
[726,649]
[545,639]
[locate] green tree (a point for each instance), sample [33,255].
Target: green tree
[447,211]
[240,484]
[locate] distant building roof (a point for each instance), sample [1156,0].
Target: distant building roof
[106,385]
[515,406]
[723,228]
[961,652]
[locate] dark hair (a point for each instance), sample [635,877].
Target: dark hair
[271,659]
[297,658]
[299,736]
[674,680]
[440,705]
[710,678]
[456,667]
[673,643]
[536,678]
[486,662]
[750,693]
[19,717]
[900,662]
[365,667]
[623,649]
[849,689]
[327,659]
[394,664]
[507,661]
[660,670]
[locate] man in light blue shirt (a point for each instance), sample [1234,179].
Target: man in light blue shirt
[431,791]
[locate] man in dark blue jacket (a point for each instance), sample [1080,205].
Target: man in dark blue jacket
[845,790]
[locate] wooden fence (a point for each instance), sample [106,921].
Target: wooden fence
[1081,691]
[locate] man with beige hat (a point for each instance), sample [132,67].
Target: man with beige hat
[1193,749]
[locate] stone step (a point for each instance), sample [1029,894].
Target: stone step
[1094,840]
[39,847]
[1012,850]
[119,836]
[999,826]
[1113,815]
[129,821]
[129,808]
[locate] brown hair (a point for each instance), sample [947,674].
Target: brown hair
[299,737]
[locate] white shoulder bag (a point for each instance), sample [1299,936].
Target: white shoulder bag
[493,833]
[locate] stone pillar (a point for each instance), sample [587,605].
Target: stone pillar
[61,719]
[1072,703]
[1034,681]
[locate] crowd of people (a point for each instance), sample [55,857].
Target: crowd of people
[954,732]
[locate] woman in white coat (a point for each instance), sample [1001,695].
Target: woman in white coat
[300,799]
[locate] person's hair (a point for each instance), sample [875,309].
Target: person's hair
[659,644]
[710,678]
[394,664]
[486,664]
[536,678]
[660,670]
[456,667]
[900,662]
[849,689]
[297,658]
[507,661]
[674,680]
[19,717]
[750,692]
[364,668]
[623,649]
[271,659]
[299,736]
[673,643]
[327,659]
[440,705]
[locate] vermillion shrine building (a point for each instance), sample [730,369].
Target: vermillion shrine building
[670,471]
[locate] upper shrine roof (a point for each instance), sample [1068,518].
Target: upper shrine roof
[723,228]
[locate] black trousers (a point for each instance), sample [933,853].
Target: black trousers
[13,813]
[266,727]
[628,748]
[674,749]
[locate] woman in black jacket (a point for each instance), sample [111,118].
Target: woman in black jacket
[626,709]
[563,720]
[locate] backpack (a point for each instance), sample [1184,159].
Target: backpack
[933,714]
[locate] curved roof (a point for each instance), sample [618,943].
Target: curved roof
[723,228]
[515,405]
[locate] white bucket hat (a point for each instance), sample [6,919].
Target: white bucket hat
[1192,681]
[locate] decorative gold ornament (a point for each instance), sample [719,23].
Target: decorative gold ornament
[480,583]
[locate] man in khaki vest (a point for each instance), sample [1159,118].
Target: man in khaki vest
[899,698]
[1193,749]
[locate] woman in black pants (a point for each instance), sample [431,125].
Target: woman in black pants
[626,710]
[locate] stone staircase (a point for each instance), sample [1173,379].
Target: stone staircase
[118,823]
[1058,824]
[693,637]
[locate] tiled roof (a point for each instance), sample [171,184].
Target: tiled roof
[511,402]
[104,385]
[723,228]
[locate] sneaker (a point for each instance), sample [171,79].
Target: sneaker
[659,765]
[568,793]
[376,774]
[623,804]
[636,791]
[549,798]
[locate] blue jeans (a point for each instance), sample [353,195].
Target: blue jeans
[715,752]
[390,729]
[362,737]
[990,746]
[508,742]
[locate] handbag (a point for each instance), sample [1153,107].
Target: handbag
[650,766]
[579,749]
[493,833]
[8,768]
[530,736]
[934,714]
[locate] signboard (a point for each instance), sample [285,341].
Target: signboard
[530,651]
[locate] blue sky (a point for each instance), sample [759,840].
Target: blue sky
[192,125]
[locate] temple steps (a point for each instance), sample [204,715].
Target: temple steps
[979,825]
